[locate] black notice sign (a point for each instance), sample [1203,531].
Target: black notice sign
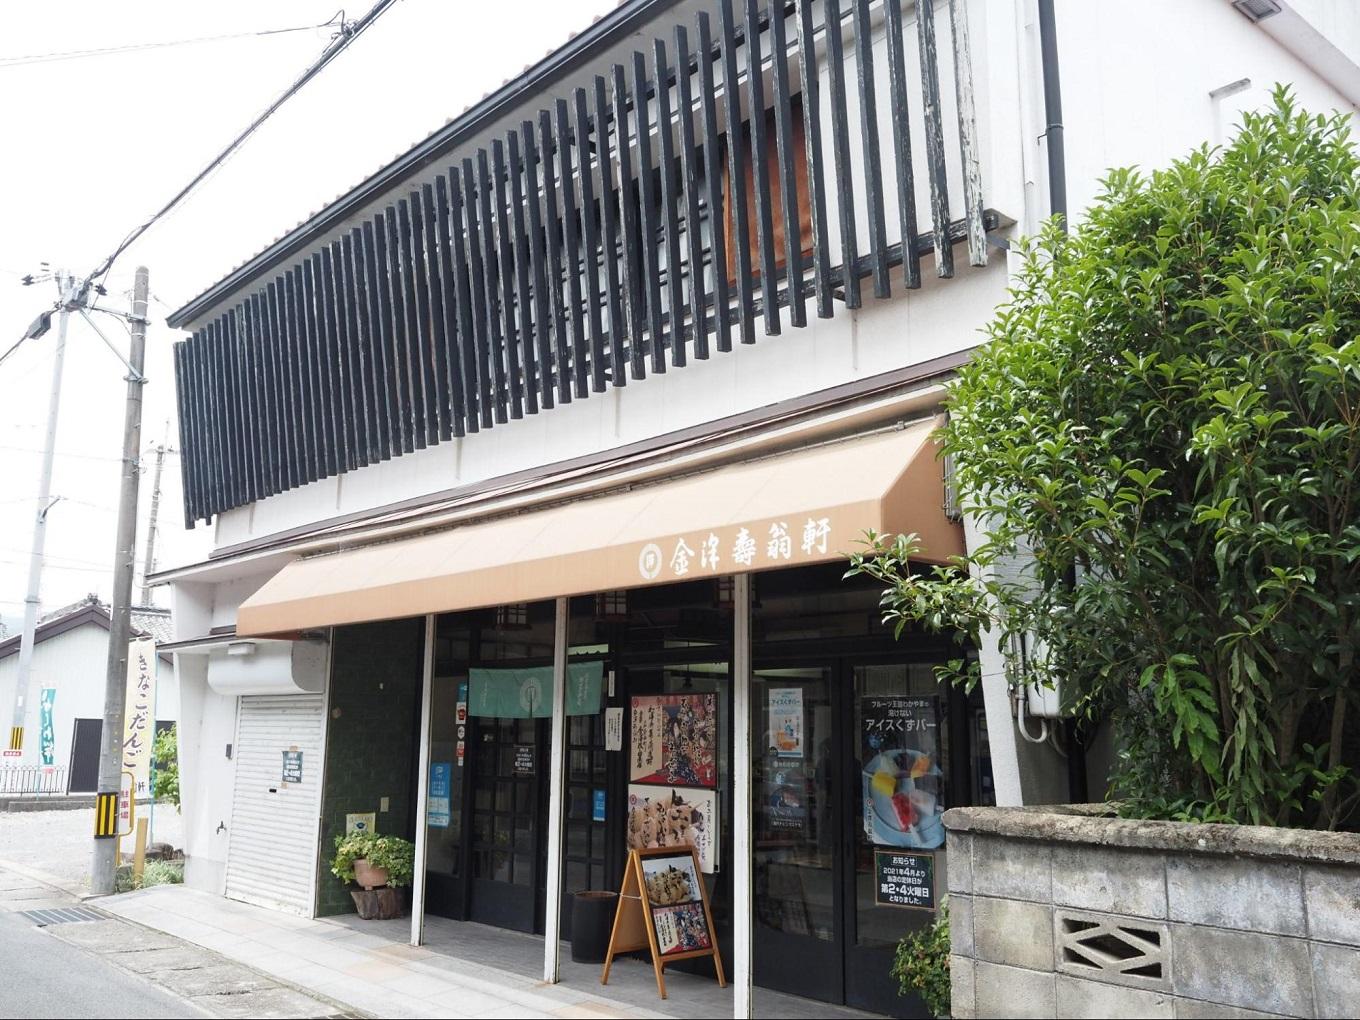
[524,759]
[904,879]
[292,766]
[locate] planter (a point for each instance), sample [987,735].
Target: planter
[367,876]
[379,904]
[592,918]
[1069,912]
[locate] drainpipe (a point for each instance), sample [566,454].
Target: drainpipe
[1053,129]
[1077,788]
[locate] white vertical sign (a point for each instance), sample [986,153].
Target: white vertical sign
[139,715]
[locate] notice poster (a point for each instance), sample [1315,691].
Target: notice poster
[786,721]
[785,798]
[441,783]
[613,729]
[902,780]
[674,740]
[904,879]
[665,816]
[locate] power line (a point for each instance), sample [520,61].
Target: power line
[107,51]
[347,34]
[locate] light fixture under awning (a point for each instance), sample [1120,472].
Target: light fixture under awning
[808,506]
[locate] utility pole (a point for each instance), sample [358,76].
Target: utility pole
[149,563]
[120,623]
[70,299]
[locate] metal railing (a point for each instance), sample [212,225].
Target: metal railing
[32,779]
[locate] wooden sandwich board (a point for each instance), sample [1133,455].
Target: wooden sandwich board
[663,908]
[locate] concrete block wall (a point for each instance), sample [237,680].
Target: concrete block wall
[1067,915]
[371,739]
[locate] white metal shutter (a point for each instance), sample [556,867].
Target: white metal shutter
[273,850]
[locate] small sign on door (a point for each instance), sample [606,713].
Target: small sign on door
[292,766]
[524,759]
[904,879]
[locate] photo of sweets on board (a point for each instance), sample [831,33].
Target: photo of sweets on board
[902,780]
[674,740]
[667,816]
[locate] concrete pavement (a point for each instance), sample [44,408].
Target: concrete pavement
[111,967]
[369,971]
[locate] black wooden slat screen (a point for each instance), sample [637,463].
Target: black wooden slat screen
[638,216]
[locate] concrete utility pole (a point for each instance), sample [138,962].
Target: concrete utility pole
[149,563]
[70,298]
[105,862]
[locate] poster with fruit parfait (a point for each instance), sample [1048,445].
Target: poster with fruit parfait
[903,781]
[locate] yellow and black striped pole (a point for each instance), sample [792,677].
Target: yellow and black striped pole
[16,738]
[106,815]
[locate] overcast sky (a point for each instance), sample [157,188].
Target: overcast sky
[94,145]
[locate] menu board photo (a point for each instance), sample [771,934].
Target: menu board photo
[663,908]
[673,894]
[902,780]
[667,816]
[674,740]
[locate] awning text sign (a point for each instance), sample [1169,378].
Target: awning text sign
[734,550]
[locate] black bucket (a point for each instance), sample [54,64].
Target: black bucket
[592,920]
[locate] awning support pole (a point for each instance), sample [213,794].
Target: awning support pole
[423,789]
[741,801]
[556,760]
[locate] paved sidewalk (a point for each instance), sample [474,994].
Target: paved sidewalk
[75,958]
[366,971]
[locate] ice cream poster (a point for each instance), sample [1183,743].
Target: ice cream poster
[674,740]
[786,722]
[902,779]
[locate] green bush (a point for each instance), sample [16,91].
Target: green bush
[165,766]
[391,853]
[1164,427]
[921,965]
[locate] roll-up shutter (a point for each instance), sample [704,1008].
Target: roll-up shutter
[274,821]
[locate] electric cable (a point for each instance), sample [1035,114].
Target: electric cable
[108,51]
[347,34]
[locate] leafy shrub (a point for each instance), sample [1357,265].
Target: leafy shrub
[1164,429]
[165,766]
[921,964]
[391,853]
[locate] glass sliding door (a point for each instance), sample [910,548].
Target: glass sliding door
[900,750]
[797,829]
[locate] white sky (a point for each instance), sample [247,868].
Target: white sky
[93,146]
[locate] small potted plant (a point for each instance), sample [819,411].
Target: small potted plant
[380,865]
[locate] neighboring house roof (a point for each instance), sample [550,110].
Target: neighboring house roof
[147,621]
[604,31]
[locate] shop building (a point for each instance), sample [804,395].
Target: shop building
[534,462]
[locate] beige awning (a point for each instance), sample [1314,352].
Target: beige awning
[808,506]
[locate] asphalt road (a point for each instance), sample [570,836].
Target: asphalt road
[41,976]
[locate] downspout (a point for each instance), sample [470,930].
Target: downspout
[1077,787]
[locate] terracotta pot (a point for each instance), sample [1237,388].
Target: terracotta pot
[368,876]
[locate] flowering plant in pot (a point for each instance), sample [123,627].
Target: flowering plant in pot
[382,865]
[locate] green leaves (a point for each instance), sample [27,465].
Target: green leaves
[1168,410]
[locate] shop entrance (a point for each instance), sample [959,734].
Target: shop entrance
[831,736]
[508,799]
